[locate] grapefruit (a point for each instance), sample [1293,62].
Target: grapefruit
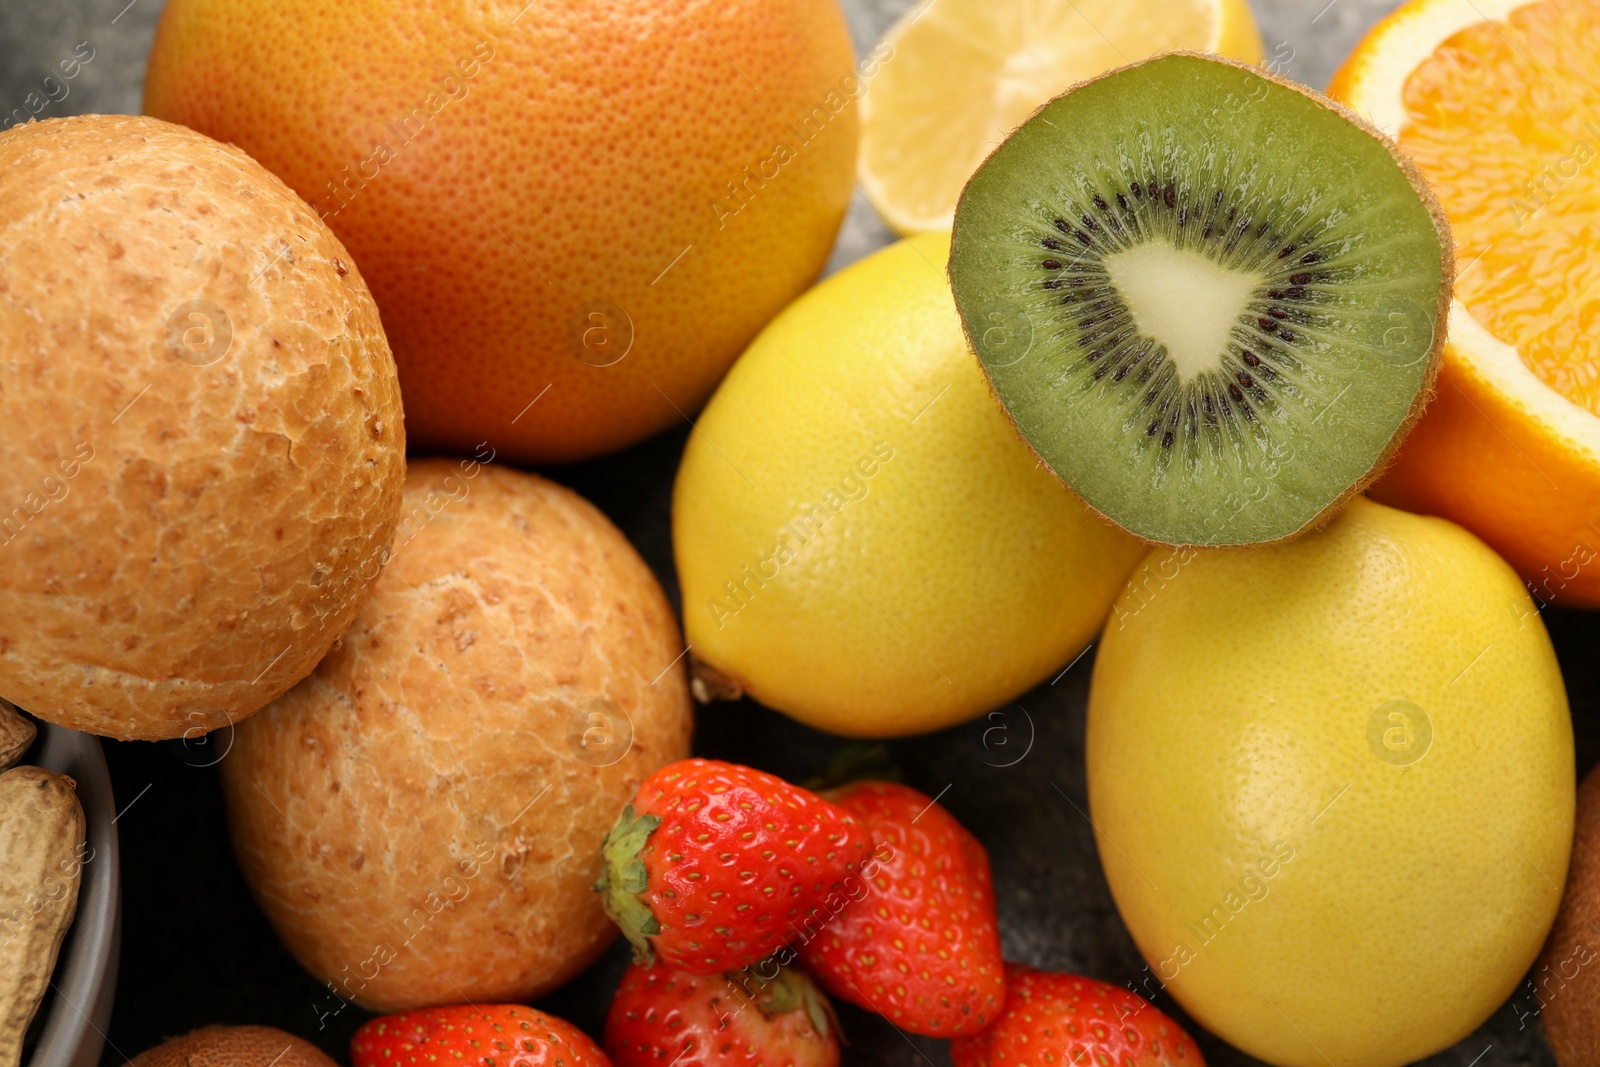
[572,216]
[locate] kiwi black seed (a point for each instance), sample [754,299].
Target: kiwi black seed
[1233,295]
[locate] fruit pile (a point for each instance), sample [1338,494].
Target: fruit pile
[1288,401]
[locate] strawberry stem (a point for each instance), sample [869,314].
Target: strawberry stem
[856,761]
[623,881]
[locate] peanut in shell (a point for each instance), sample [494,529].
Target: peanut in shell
[41,866]
[16,735]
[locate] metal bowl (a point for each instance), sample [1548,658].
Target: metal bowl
[72,1021]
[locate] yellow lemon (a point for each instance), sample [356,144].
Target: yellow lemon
[1332,782]
[862,540]
[953,78]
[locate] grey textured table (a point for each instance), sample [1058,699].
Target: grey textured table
[197,951]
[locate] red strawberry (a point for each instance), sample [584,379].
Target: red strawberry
[494,1035]
[920,944]
[661,1016]
[1065,1019]
[715,865]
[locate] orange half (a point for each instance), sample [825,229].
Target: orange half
[1498,102]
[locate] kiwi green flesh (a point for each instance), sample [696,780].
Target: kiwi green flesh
[1206,299]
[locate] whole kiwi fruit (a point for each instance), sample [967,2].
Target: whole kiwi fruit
[1566,982]
[203,448]
[234,1046]
[458,759]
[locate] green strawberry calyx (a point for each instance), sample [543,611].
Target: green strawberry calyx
[623,881]
[790,990]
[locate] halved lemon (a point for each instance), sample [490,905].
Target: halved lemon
[954,77]
[1498,102]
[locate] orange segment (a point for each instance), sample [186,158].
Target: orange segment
[1501,119]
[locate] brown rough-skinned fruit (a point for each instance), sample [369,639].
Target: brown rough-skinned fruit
[16,735]
[202,454]
[421,818]
[41,865]
[1567,977]
[234,1046]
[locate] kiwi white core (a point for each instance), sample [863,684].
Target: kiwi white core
[1183,299]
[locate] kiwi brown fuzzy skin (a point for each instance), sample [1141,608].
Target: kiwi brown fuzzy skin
[234,1046]
[1441,317]
[1571,1010]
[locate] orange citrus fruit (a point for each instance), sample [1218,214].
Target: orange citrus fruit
[573,216]
[1494,101]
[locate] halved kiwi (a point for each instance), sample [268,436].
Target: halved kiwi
[1212,301]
